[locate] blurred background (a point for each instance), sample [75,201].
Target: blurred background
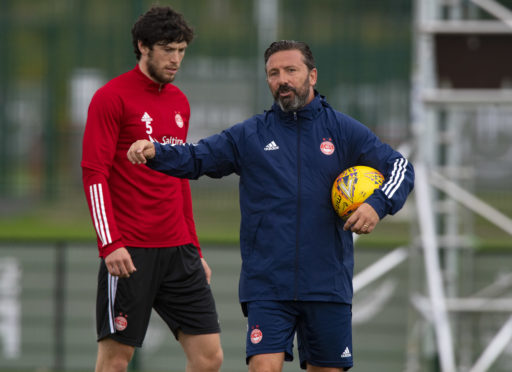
[431,78]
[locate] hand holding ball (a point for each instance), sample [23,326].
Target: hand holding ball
[352,187]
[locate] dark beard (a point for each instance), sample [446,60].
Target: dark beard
[291,103]
[152,71]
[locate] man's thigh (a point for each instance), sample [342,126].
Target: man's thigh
[270,328]
[324,335]
[185,300]
[123,305]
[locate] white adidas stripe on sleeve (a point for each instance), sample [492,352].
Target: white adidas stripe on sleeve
[104,215]
[94,214]
[99,214]
[401,173]
[397,177]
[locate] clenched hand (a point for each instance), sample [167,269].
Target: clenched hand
[141,151]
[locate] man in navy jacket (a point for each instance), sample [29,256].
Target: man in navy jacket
[297,254]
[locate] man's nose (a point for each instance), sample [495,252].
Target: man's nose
[282,79]
[175,57]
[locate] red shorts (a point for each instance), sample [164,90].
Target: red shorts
[170,280]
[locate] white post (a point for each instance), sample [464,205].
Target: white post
[495,348]
[10,309]
[266,12]
[442,328]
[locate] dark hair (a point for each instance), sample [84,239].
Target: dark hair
[160,25]
[301,46]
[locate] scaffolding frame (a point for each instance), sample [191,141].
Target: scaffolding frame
[442,242]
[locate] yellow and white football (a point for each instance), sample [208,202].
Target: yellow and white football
[352,187]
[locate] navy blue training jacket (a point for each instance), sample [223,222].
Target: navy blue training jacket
[292,242]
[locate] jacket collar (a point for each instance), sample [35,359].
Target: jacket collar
[308,112]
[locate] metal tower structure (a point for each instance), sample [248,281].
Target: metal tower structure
[458,68]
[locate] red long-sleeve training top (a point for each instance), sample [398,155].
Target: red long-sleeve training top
[132,205]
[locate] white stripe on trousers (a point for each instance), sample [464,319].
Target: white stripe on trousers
[111,288]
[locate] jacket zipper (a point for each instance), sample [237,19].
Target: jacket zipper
[298,211]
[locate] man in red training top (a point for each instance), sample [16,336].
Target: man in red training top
[143,219]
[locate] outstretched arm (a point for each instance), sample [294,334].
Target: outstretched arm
[215,156]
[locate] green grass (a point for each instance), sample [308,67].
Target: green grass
[62,220]
[217,218]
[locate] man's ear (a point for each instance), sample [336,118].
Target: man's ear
[144,50]
[313,75]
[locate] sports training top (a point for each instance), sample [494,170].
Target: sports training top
[133,205]
[292,241]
